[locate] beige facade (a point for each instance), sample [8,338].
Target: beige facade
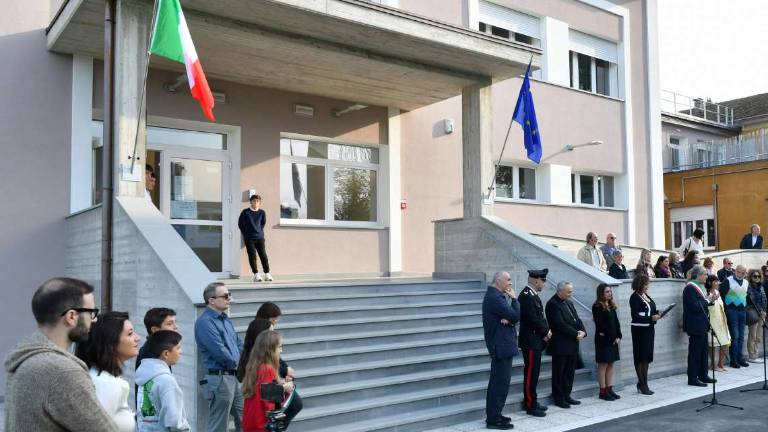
[429,159]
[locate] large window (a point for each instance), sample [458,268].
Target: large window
[516,183]
[686,219]
[592,189]
[594,64]
[325,182]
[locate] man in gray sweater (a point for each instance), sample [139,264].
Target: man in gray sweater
[47,388]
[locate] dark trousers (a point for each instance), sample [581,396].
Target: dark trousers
[697,357]
[563,370]
[498,388]
[532,360]
[253,247]
[293,409]
[737,321]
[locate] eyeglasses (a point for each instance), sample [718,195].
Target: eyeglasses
[755,276]
[94,312]
[226,296]
[611,238]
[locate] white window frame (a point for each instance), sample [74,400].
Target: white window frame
[675,149]
[681,215]
[516,185]
[613,85]
[329,165]
[598,189]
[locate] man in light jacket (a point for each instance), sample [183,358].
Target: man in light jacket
[48,389]
[591,255]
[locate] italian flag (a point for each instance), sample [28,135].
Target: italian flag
[171,39]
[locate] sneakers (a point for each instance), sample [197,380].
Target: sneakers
[755,360]
[268,277]
[257,278]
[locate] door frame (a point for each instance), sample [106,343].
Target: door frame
[230,181]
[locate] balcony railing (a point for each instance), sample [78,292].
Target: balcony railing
[676,103]
[746,147]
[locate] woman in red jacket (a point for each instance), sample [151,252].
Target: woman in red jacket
[262,368]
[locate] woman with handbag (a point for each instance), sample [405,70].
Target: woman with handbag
[756,307]
[722,339]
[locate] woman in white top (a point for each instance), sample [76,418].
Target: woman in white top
[112,342]
[693,243]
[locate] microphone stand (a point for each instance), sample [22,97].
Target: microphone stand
[712,337]
[765,376]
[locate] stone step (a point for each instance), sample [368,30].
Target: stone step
[342,328]
[310,359]
[250,305]
[404,405]
[385,337]
[309,315]
[275,292]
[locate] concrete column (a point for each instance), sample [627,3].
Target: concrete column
[132,42]
[477,149]
[394,193]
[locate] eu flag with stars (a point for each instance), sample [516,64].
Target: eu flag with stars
[525,114]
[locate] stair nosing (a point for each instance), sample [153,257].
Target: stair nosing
[362,308]
[363,320]
[344,283]
[379,348]
[359,296]
[375,334]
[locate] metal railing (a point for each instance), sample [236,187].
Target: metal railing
[679,104]
[751,146]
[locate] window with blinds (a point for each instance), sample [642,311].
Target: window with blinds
[509,24]
[594,63]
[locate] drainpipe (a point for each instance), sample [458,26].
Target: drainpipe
[107,162]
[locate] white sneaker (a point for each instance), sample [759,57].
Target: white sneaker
[269,277]
[755,360]
[257,278]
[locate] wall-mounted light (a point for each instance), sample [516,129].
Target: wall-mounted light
[571,147]
[448,126]
[172,87]
[353,107]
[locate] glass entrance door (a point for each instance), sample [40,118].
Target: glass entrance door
[197,209]
[193,170]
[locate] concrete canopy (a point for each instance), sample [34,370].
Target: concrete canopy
[344,49]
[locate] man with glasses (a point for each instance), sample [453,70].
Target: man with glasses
[220,348]
[48,388]
[727,271]
[534,334]
[734,294]
[609,249]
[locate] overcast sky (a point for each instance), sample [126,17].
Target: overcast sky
[714,48]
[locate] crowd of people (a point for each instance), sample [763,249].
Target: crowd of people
[51,388]
[732,300]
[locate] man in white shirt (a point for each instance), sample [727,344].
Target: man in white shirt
[591,255]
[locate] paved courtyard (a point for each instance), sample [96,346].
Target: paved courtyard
[669,391]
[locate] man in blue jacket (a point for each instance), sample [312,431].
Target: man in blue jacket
[696,325]
[501,312]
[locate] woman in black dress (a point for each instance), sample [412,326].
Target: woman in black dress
[644,317]
[617,269]
[607,338]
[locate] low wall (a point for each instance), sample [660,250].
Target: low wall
[152,267]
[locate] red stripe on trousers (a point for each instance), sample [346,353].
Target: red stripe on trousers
[527,384]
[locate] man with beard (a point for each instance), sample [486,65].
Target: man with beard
[47,388]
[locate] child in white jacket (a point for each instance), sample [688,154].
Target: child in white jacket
[159,401]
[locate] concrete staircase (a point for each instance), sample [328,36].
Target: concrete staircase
[386,354]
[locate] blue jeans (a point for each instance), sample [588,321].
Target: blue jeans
[737,321]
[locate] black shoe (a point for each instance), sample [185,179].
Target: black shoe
[743,363]
[735,365]
[607,397]
[499,426]
[505,419]
[612,393]
[707,380]
[536,413]
[572,401]
[696,383]
[541,407]
[562,405]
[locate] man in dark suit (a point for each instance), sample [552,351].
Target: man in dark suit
[501,312]
[567,332]
[534,334]
[696,325]
[753,240]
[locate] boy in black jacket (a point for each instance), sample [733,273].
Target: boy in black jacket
[251,224]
